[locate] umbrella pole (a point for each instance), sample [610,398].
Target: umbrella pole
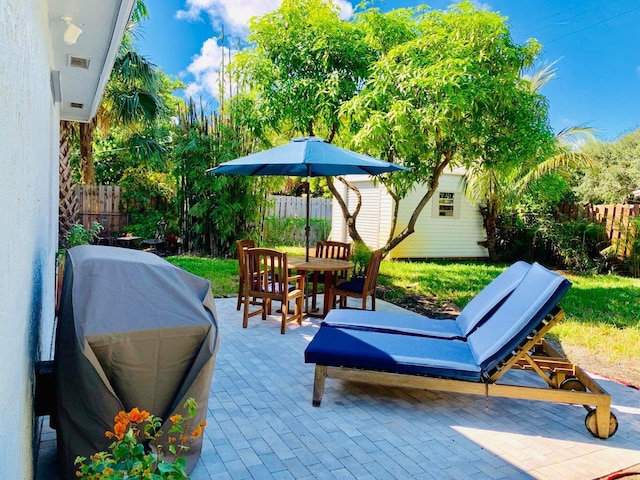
[307,232]
[307,228]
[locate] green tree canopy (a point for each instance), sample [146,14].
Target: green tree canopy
[304,63]
[429,89]
[616,171]
[452,95]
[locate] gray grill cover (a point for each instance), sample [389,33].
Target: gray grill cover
[133,331]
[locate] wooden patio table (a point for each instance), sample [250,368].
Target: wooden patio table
[327,265]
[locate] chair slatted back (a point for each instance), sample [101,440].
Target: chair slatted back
[331,249]
[371,277]
[266,273]
[335,250]
[241,247]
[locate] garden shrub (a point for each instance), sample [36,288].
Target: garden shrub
[290,231]
[572,244]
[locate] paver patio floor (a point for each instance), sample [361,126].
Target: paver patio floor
[261,423]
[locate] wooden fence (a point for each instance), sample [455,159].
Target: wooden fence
[295,207]
[616,219]
[101,203]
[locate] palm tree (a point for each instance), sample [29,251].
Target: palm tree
[68,203]
[131,98]
[494,186]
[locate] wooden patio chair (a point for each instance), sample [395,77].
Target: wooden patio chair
[362,289]
[267,278]
[329,249]
[241,247]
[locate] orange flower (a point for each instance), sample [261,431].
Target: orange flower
[138,416]
[172,439]
[175,419]
[197,432]
[122,418]
[119,429]
[203,424]
[108,434]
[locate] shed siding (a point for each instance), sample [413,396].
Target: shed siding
[338,227]
[434,236]
[441,237]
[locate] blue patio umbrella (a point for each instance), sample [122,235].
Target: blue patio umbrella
[306,157]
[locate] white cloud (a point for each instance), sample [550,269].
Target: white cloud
[235,14]
[205,69]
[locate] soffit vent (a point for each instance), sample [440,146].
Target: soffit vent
[79,62]
[76,105]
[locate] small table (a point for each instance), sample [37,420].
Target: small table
[327,265]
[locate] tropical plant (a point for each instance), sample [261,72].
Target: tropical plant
[68,203]
[498,186]
[131,98]
[360,256]
[81,235]
[214,211]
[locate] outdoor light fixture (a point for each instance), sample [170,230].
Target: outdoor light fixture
[72,32]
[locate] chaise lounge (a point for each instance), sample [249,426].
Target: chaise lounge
[371,349]
[473,315]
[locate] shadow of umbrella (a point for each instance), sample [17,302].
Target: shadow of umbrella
[306,157]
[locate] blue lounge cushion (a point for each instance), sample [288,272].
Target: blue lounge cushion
[474,314]
[491,297]
[407,324]
[372,350]
[537,294]
[351,286]
[394,350]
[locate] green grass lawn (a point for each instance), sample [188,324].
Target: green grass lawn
[603,311]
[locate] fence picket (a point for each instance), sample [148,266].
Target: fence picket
[101,203]
[616,219]
[296,207]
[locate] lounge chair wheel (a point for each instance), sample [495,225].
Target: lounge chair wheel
[592,426]
[573,384]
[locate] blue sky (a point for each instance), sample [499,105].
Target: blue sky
[597,44]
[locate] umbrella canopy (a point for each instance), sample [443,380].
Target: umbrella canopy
[306,157]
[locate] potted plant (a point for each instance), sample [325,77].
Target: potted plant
[360,256]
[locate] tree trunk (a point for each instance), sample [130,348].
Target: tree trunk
[490,222]
[87,167]
[68,203]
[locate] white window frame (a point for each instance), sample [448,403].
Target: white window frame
[445,198]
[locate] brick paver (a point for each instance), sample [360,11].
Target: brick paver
[261,424]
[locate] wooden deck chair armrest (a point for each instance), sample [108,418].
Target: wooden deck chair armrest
[295,278]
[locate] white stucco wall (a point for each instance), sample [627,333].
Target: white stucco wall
[28,221]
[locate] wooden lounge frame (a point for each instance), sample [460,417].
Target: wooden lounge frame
[568,383]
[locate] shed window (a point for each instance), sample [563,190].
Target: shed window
[446,204]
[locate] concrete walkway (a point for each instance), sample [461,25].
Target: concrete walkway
[262,424]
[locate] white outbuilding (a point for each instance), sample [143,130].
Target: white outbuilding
[449,227]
